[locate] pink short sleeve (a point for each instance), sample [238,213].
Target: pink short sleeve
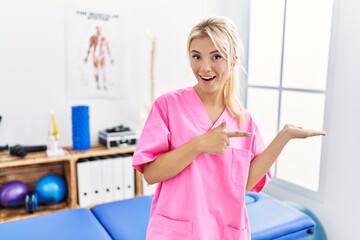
[154,138]
[258,147]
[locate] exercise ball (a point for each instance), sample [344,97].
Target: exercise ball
[51,189]
[12,194]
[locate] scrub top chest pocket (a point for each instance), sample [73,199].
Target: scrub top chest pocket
[240,164]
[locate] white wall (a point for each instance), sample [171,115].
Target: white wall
[32,63]
[339,210]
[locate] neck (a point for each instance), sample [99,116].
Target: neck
[213,99]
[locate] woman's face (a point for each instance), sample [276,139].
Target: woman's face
[209,66]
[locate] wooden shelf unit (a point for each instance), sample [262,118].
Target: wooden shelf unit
[35,165]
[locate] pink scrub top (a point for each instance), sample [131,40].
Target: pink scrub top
[206,201]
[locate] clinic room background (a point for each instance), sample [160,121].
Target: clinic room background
[34,80]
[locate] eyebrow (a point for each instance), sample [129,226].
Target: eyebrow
[216,51]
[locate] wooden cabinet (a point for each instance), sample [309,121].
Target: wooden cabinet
[35,165]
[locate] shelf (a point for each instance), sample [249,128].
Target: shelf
[99,150]
[7,160]
[13,214]
[35,165]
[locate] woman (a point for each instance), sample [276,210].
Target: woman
[203,149]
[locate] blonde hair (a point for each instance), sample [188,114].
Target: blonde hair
[223,33]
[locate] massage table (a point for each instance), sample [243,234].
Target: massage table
[272,219]
[128,219]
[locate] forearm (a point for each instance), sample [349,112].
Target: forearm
[108,51]
[87,54]
[262,163]
[169,164]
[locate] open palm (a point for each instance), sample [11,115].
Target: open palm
[299,132]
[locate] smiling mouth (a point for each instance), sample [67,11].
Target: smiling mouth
[207,78]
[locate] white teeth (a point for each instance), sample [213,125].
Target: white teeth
[207,78]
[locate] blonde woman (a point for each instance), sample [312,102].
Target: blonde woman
[203,148]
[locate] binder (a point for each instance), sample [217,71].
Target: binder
[129,177]
[148,189]
[106,179]
[96,182]
[83,182]
[118,177]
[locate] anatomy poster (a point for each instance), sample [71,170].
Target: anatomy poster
[94,54]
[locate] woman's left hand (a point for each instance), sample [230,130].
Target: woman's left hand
[299,132]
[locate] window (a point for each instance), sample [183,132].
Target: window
[288,57]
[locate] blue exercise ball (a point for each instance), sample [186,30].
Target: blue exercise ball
[51,189]
[12,194]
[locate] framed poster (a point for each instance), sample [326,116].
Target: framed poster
[94,50]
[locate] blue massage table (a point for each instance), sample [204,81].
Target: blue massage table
[128,219]
[272,219]
[73,224]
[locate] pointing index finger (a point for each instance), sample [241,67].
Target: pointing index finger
[238,134]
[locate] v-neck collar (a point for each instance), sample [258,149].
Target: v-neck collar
[200,112]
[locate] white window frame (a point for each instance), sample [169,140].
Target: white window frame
[283,184]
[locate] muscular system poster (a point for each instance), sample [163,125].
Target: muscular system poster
[94,50]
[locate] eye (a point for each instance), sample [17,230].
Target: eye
[196,56]
[217,57]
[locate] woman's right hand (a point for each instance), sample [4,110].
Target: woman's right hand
[217,140]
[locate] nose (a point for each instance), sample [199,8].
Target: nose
[205,65]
